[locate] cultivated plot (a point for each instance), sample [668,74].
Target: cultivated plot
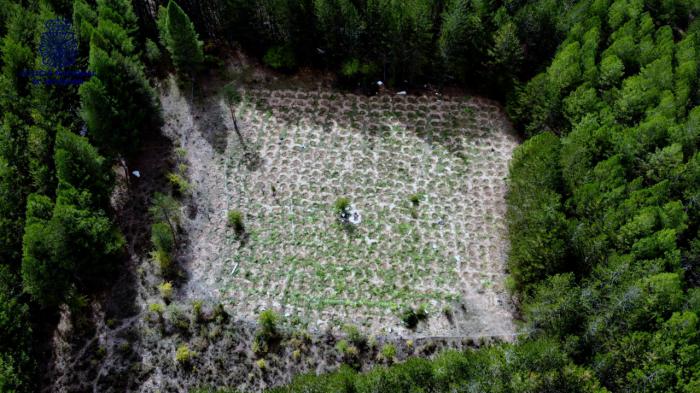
[426,174]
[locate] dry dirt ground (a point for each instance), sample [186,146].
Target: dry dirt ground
[447,252]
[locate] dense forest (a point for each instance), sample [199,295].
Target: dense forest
[604,200]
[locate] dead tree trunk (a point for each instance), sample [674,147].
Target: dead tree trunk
[235,127]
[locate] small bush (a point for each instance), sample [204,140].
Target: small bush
[183,355]
[268,320]
[162,237]
[409,318]
[280,58]
[260,346]
[422,312]
[415,199]
[447,311]
[355,336]
[164,261]
[341,205]
[197,310]
[235,220]
[166,290]
[220,315]
[231,94]
[261,364]
[342,346]
[178,317]
[156,308]
[181,185]
[388,352]
[355,70]
[266,333]
[180,153]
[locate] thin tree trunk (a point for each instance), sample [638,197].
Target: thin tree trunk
[126,173]
[235,127]
[170,224]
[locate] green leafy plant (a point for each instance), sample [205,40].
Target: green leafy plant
[341,205]
[178,181]
[183,354]
[280,58]
[355,336]
[267,333]
[235,220]
[409,318]
[166,290]
[388,353]
[415,199]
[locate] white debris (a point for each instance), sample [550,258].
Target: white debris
[380,83]
[354,216]
[401,93]
[136,173]
[458,259]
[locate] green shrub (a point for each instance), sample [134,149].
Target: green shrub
[266,333]
[355,336]
[388,352]
[268,321]
[447,311]
[164,261]
[231,94]
[422,312]
[355,70]
[197,310]
[166,290]
[235,220]
[342,346]
[409,318]
[181,185]
[341,205]
[260,346]
[280,58]
[220,315]
[156,308]
[415,199]
[162,237]
[261,364]
[184,355]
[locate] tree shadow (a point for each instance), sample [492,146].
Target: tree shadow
[209,121]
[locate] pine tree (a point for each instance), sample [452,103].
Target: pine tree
[181,40]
